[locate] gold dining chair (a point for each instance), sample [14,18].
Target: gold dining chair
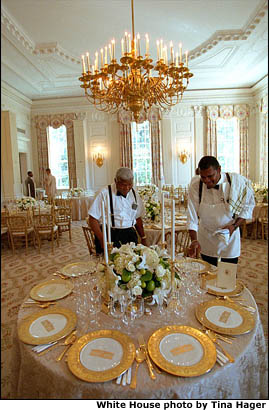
[89,236]
[260,221]
[20,227]
[182,241]
[44,225]
[63,217]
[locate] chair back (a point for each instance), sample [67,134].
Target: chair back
[89,236]
[182,241]
[18,223]
[44,222]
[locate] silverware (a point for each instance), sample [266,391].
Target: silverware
[41,305]
[214,339]
[125,377]
[139,357]
[148,361]
[68,342]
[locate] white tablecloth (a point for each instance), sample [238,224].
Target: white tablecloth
[80,207]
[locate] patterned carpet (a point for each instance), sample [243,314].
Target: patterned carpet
[21,272]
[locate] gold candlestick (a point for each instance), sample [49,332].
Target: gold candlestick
[109,247]
[164,245]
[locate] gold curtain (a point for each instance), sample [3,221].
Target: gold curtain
[264,141]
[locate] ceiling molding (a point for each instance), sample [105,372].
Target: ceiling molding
[55,49]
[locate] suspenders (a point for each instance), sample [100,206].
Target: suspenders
[201,186]
[111,204]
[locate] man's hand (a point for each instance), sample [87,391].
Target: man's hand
[231,228]
[194,249]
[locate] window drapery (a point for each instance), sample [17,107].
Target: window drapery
[241,112]
[126,157]
[55,121]
[264,141]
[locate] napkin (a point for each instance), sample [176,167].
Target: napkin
[223,235]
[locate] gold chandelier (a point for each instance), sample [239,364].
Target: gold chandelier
[130,84]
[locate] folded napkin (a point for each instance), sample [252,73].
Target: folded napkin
[223,235]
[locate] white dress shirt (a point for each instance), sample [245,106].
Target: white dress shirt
[214,213]
[125,215]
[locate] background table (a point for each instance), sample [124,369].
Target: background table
[44,378]
[80,207]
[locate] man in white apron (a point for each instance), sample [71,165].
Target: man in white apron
[50,184]
[218,203]
[126,209]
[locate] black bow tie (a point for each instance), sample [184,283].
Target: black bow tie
[120,194]
[214,187]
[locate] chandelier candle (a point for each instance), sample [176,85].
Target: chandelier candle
[104,232]
[129,84]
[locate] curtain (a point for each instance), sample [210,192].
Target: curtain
[211,140]
[126,157]
[55,121]
[241,112]
[264,142]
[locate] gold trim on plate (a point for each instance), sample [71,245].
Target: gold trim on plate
[35,291]
[24,327]
[236,292]
[203,366]
[207,266]
[248,321]
[90,267]
[77,368]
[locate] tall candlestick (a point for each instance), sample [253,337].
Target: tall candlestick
[163,220]
[88,61]
[83,64]
[180,52]
[104,232]
[108,220]
[147,44]
[173,230]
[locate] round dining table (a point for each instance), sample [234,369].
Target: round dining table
[42,377]
[80,207]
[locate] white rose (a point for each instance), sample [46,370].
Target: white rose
[160,271]
[130,267]
[137,291]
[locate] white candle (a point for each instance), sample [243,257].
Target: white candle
[108,220]
[102,58]
[173,229]
[147,45]
[83,65]
[105,55]
[163,220]
[104,232]
[88,61]
[180,52]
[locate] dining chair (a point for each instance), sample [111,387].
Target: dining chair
[63,218]
[182,241]
[4,227]
[89,236]
[260,222]
[44,225]
[20,226]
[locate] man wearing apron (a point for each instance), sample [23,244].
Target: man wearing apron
[126,209]
[218,203]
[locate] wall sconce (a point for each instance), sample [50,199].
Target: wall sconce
[99,159]
[183,156]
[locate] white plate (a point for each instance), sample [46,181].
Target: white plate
[99,364]
[170,343]
[53,289]
[78,268]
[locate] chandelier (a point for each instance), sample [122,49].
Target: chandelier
[135,83]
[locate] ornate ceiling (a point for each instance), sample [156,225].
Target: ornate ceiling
[42,40]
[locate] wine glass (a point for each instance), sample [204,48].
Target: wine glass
[94,306]
[116,309]
[139,307]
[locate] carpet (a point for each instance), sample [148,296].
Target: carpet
[20,272]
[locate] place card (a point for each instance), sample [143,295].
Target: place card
[226,275]
[102,353]
[47,325]
[181,349]
[224,316]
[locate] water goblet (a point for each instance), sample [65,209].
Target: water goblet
[94,306]
[138,305]
[116,310]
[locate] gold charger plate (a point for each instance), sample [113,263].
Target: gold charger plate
[218,292]
[225,317]
[182,351]
[53,289]
[78,268]
[47,326]
[101,355]
[205,265]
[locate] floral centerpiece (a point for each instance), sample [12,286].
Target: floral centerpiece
[76,191]
[260,192]
[149,195]
[26,202]
[141,270]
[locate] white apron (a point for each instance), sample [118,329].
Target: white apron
[213,218]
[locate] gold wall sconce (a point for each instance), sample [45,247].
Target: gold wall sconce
[184,156]
[99,159]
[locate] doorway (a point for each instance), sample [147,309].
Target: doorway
[23,169]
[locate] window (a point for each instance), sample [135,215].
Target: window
[141,145]
[58,160]
[228,144]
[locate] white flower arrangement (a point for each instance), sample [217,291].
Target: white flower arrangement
[149,195]
[260,192]
[138,269]
[76,191]
[25,203]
